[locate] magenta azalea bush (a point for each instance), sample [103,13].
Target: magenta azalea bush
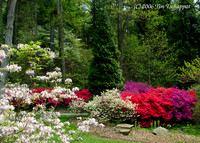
[182,101]
[135,87]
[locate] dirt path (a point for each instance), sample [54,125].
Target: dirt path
[142,136]
[145,136]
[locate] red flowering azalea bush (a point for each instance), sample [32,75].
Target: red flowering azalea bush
[151,106]
[137,87]
[84,94]
[162,104]
[60,96]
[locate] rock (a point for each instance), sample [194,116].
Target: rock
[125,131]
[125,126]
[161,131]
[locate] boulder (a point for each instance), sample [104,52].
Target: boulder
[161,131]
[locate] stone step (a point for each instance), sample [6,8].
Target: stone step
[125,131]
[124,126]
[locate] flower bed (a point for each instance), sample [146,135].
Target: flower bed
[163,104]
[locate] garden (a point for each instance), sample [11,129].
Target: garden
[99,71]
[31,113]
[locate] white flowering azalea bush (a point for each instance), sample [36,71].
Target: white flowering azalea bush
[28,60]
[39,125]
[109,107]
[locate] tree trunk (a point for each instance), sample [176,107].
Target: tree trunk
[122,27]
[61,40]
[35,20]
[1,22]
[52,35]
[10,21]
[15,33]
[8,38]
[119,27]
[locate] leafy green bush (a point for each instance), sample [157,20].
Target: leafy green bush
[191,71]
[195,87]
[196,113]
[110,107]
[33,59]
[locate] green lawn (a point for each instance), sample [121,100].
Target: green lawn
[90,138]
[87,137]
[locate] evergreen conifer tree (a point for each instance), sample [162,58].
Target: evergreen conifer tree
[105,72]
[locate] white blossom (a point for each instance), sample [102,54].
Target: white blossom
[1,74]
[21,46]
[13,68]
[2,55]
[75,89]
[52,55]
[4,46]
[68,80]
[30,72]
[57,69]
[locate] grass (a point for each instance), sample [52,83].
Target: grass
[188,129]
[90,138]
[87,137]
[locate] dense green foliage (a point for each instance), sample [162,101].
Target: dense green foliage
[184,33]
[150,43]
[105,72]
[29,57]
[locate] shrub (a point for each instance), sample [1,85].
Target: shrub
[182,101]
[196,113]
[151,106]
[137,87]
[39,125]
[110,107]
[63,96]
[195,87]
[33,59]
[84,94]
[162,104]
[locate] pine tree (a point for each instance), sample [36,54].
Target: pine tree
[105,72]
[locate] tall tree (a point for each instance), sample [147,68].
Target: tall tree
[8,37]
[1,22]
[15,32]
[61,38]
[122,24]
[10,22]
[35,21]
[105,72]
[148,57]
